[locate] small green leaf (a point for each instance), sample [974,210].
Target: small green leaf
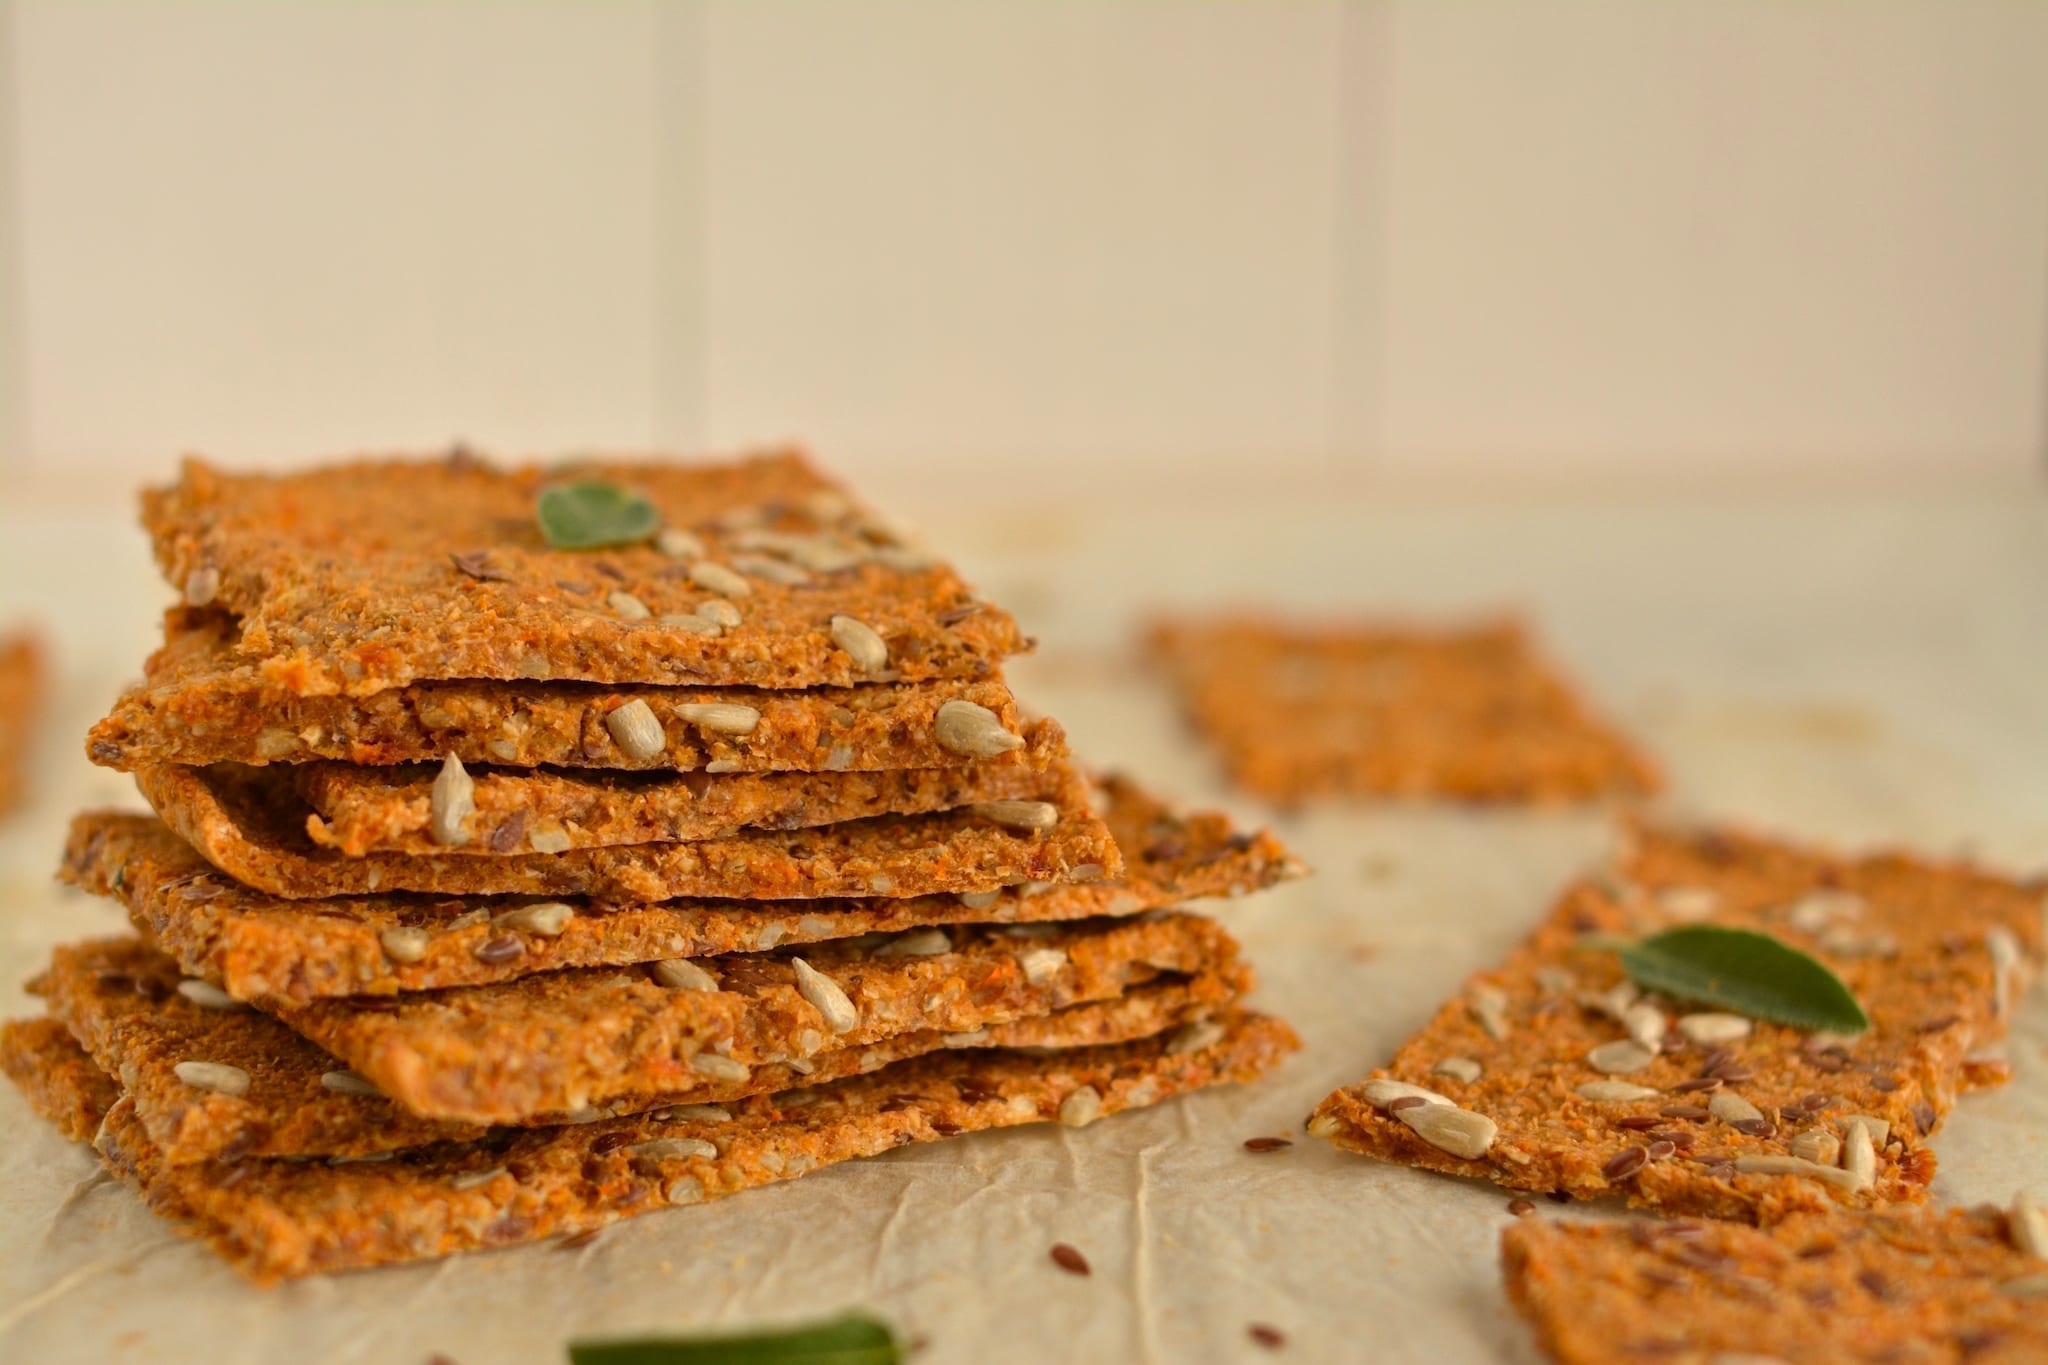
[1746,972]
[584,516]
[855,1339]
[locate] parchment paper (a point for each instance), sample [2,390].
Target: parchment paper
[1854,668]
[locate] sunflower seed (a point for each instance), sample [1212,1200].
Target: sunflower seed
[770,935]
[1732,1109]
[672,1148]
[348,1083]
[635,730]
[1448,1128]
[678,544]
[1620,1057]
[717,1068]
[860,641]
[1846,941]
[216,1076]
[2026,1287]
[722,612]
[627,605]
[1032,817]
[722,765]
[1382,1092]
[1324,1125]
[1712,1030]
[2027,1221]
[1792,1165]
[1817,1145]
[1612,1002]
[1646,1024]
[712,576]
[1880,1129]
[554,839]
[772,570]
[469,1180]
[681,974]
[723,718]
[1859,1157]
[2005,962]
[696,1113]
[547,919]
[917,943]
[974,1039]
[1042,965]
[1489,1005]
[453,801]
[978,900]
[691,623]
[825,996]
[403,944]
[1816,910]
[208,996]
[1458,1068]
[1689,903]
[975,731]
[202,585]
[1556,980]
[1194,1036]
[1614,1092]
[1081,1107]
[686,1190]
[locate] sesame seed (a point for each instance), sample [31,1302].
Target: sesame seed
[1032,817]
[635,730]
[1459,1068]
[215,1076]
[1460,1132]
[349,1083]
[1620,1057]
[714,1067]
[547,919]
[723,718]
[627,605]
[825,996]
[975,731]
[1081,1107]
[452,802]
[861,642]
[208,996]
[1069,1259]
[712,576]
[1042,965]
[672,1148]
[404,944]
[681,974]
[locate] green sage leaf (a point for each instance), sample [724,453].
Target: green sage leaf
[585,516]
[855,1339]
[1746,972]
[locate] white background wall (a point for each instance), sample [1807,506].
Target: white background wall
[1400,235]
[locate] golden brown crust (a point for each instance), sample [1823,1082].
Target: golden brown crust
[122,1001]
[276,1219]
[200,704]
[21,702]
[1920,944]
[1468,715]
[346,580]
[571,1040]
[256,945]
[361,810]
[249,823]
[61,1082]
[1887,1287]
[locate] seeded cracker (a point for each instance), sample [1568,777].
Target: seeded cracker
[1895,1286]
[1729,1118]
[21,700]
[125,1005]
[256,945]
[201,704]
[275,1219]
[250,824]
[60,1081]
[1466,715]
[373,574]
[361,810]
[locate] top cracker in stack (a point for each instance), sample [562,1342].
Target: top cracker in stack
[752,816]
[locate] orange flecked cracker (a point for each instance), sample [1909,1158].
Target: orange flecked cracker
[21,701]
[1550,1073]
[371,574]
[1461,714]
[1901,1285]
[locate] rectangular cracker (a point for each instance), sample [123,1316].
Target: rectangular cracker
[122,1001]
[359,810]
[565,1041]
[61,1082]
[21,704]
[375,573]
[255,945]
[1472,714]
[276,1219]
[199,703]
[1901,1285]
[249,823]
[1936,952]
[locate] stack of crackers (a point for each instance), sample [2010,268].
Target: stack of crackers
[497,890]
